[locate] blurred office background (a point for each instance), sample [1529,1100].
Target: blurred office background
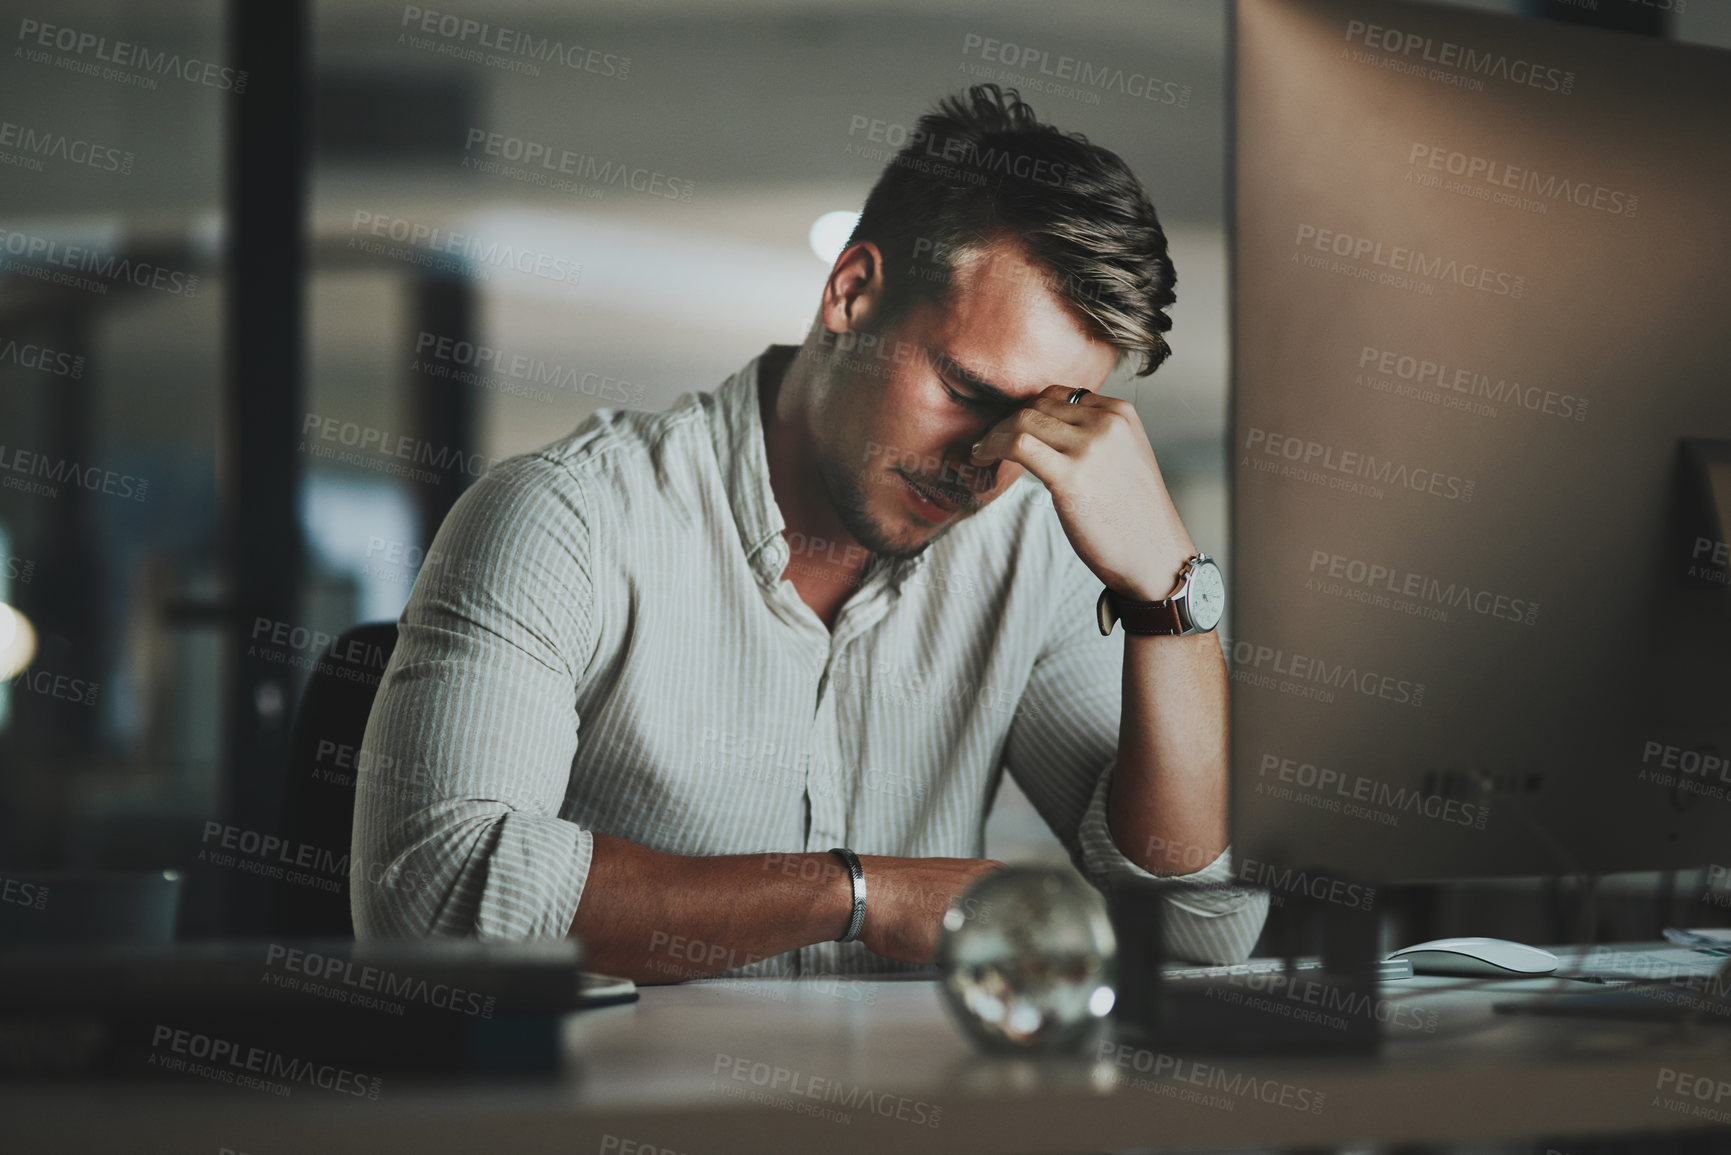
[175,596]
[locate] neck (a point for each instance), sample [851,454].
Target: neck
[787,396]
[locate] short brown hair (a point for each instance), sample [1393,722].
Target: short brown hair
[982,168]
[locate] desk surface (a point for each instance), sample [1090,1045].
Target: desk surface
[767,1066]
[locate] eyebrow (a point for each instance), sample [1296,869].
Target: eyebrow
[950,367]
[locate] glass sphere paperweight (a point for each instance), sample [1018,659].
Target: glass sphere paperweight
[1028,959]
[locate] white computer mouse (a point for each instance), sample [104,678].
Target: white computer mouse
[1478,957]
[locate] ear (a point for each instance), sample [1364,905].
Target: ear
[855,288]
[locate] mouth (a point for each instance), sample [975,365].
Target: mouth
[931,505]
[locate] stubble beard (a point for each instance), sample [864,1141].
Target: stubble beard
[847,494]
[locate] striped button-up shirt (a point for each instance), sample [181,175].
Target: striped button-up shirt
[601,640]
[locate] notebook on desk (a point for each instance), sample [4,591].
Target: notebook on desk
[436,1006]
[533,977]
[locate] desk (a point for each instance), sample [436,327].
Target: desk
[675,1072]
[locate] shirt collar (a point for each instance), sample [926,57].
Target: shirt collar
[744,457]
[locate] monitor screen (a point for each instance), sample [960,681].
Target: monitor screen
[1482,402]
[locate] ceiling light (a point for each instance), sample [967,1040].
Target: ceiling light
[829,234]
[17,642]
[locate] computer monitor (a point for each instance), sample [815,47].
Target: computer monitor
[1481,595]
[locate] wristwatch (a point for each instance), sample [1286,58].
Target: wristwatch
[1194,607]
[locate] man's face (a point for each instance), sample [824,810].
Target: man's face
[896,421]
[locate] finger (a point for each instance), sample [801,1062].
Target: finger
[1092,407]
[1027,450]
[1088,399]
[1059,408]
[1056,406]
[1058,435]
[1063,393]
[1055,401]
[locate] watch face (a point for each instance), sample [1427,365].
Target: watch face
[1207,596]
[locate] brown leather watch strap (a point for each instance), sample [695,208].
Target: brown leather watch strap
[1157,619]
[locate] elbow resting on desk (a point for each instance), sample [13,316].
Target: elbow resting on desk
[1208,919]
[469,868]
[1204,919]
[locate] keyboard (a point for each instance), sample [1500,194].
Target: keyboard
[1665,984]
[1662,964]
[1386,971]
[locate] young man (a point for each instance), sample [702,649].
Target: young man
[674,674]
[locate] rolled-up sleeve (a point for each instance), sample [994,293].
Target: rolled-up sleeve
[468,751]
[1208,919]
[1061,749]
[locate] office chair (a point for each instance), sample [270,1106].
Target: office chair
[319,799]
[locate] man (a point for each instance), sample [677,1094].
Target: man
[667,665]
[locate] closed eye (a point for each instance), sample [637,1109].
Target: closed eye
[964,399]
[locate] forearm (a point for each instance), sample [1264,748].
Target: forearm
[642,911]
[1167,809]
